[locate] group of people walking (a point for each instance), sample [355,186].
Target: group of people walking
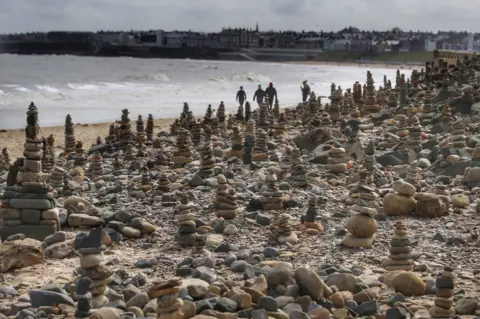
[259,95]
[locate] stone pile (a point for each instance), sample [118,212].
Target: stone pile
[96,166]
[336,162]
[392,100]
[225,202]
[80,157]
[47,161]
[126,135]
[207,163]
[91,247]
[282,233]
[221,116]
[260,148]
[447,114]
[458,137]
[162,158]
[412,175]
[310,218]
[369,159]
[272,197]
[334,109]
[163,183]
[207,119]
[51,145]
[401,202]
[262,116]
[248,148]
[183,154]
[112,136]
[237,143]
[400,257]
[317,121]
[428,110]
[149,129]
[362,225]
[129,154]
[371,105]
[56,179]
[298,177]
[414,140]
[69,135]
[196,133]
[325,120]
[280,126]
[166,294]
[28,206]
[141,136]
[443,302]
[187,228]
[215,127]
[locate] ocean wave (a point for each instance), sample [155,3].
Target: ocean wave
[22,89]
[47,88]
[155,77]
[86,87]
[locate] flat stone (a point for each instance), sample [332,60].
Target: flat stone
[38,232]
[39,298]
[40,204]
[31,216]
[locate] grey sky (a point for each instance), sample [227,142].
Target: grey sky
[212,15]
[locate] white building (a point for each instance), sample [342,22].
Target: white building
[175,38]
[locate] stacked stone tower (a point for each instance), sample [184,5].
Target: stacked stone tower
[69,135]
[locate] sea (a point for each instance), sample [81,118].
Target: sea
[94,90]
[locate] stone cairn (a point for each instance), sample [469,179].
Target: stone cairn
[414,140]
[187,228]
[371,104]
[162,158]
[91,248]
[237,143]
[56,179]
[276,108]
[325,120]
[225,201]
[280,126]
[260,148]
[362,225]
[112,136]
[248,145]
[369,159]
[298,177]
[401,201]
[392,100]
[447,114]
[126,135]
[412,175]
[141,136]
[443,301]
[96,166]
[282,232]
[196,133]
[428,110]
[400,257]
[47,164]
[262,116]
[51,145]
[207,162]
[309,219]
[167,295]
[272,197]
[221,116]
[316,121]
[215,127]
[80,158]
[129,155]
[183,154]
[69,135]
[163,183]
[458,138]
[84,298]
[207,119]
[149,129]
[336,161]
[335,105]
[29,204]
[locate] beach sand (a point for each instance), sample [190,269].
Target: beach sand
[87,133]
[373,65]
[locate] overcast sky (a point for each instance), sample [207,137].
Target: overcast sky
[212,15]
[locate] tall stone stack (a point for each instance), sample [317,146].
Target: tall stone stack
[47,163]
[207,133]
[96,166]
[80,157]
[29,204]
[187,228]
[298,172]
[207,119]
[237,143]
[207,163]
[412,174]
[249,144]
[276,108]
[348,103]
[112,136]
[221,116]
[126,135]
[428,111]
[69,135]
[444,307]
[280,126]
[400,257]
[262,116]
[392,100]
[316,121]
[141,136]
[260,149]
[309,219]
[458,138]
[335,105]
[149,129]
[163,184]
[225,202]
[357,93]
[369,158]
[56,179]
[362,225]
[183,153]
[51,145]
[215,127]
[414,140]
[336,161]
[272,197]
[92,265]
[167,295]
[197,133]
[402,93]
[371,105]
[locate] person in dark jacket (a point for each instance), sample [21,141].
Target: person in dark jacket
[241,96]
[305,91]
[271,92]
[259,95]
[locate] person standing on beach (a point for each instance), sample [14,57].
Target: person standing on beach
[305,91]
[259,95]
[271,92]
[241,96]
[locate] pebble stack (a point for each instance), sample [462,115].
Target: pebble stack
[112,136]
[221,116]
[96,166]
[149,129]
[428,111]
[316,121]
[248,148]
[369,159]
[167,295]
[447,114]
[200,243]
[262,116]
[207,162]
[56,179]
[80,158]
[207,119]
[414,140]
[69,135]
[28,206]
[225,201]
[280,126]
[51,145]
[91,248]
[310,218]
[129,155]
[187,228]
[444,307]
[47,163]
[362,225]
[335,105]
[412,174]
[348,103]
[392,100]
[282,233]
[84,298]
[371,104]
[325,120]
[141,136]
[215,127]
[400,257]
[272,197]
[161,158]
[126,135]
[260,148]
[289,116]
[401,201]
[336,162]
[237,143]
[458,138]
[183,153]
[298,177]
[163,184]
[196,133]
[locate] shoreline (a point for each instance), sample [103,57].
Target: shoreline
[363,64]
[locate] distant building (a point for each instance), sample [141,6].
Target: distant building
[239,38]
[176,39]
[153,38]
